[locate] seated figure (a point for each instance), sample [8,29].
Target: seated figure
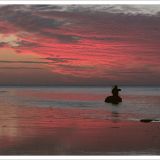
[115,91]
[115,98]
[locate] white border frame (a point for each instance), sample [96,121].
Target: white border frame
[80,2]
[80,157]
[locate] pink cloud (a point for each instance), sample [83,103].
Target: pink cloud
[84,45]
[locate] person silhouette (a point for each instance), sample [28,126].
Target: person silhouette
[115,98]
[115,91]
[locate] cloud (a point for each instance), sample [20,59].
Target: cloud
[55,59]
[76,67]
[125,9]
[92,41]
[2,44]
[5,61]
[24,43]
[29,22]
[62,38]
[65,23]
[48,60]
[21,68]
[67,38]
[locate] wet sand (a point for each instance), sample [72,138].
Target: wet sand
[44,131]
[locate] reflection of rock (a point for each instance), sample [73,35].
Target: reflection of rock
[115,114]
[113,99]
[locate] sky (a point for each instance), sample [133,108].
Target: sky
[79,45]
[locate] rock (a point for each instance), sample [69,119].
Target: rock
[146,120]
[113,100]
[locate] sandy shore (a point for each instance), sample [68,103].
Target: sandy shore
[39,131]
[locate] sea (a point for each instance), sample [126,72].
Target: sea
[87,102]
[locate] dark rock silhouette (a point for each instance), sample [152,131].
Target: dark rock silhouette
[115,98]
[149,120]
[146,120]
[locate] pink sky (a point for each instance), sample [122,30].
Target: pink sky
[79,45]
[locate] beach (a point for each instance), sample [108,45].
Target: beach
[53,130]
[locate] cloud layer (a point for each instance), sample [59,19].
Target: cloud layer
[83,44]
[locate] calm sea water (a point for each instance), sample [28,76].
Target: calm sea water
[138,102]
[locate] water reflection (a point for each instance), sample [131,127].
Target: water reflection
[8,122]
[46,131]
[115,115]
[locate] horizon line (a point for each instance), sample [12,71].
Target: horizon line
[78,85]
